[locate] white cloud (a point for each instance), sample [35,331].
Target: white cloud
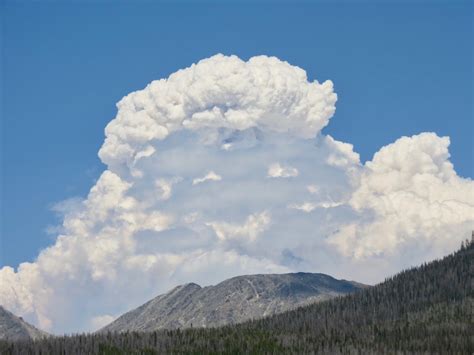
[306,206]
[144,227]
[276,170]
[253,227]
[219,92]
[210,176]
[145,153]
[343,155]
[310,206]
[414,193]
[165,187]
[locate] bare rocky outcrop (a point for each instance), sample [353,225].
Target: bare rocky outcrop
[15,328]
[232,301]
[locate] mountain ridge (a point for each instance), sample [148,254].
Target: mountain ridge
[233,300]
[15,328]
[426,309]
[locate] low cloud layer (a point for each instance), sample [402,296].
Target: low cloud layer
[222,170]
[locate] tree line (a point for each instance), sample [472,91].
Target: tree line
[426,309]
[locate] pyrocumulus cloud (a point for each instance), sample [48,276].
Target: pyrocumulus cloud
[222,169]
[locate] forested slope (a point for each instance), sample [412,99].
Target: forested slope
[428,309]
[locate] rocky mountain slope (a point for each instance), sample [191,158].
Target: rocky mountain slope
[231,301]
[15,328]
[423,310]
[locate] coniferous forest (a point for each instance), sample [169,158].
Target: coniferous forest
[427,309]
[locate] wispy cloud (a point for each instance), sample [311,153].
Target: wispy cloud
[210,176]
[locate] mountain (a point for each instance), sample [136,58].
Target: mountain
[232,301]
[424,310]
[15,328]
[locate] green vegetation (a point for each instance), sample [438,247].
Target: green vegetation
[428,309]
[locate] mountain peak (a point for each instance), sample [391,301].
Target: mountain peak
[232,301]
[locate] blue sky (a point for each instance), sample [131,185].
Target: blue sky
[398,69]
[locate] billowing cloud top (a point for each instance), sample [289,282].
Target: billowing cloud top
[219,92]
[413,185]
[222,170]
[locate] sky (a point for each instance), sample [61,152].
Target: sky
[398,69]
